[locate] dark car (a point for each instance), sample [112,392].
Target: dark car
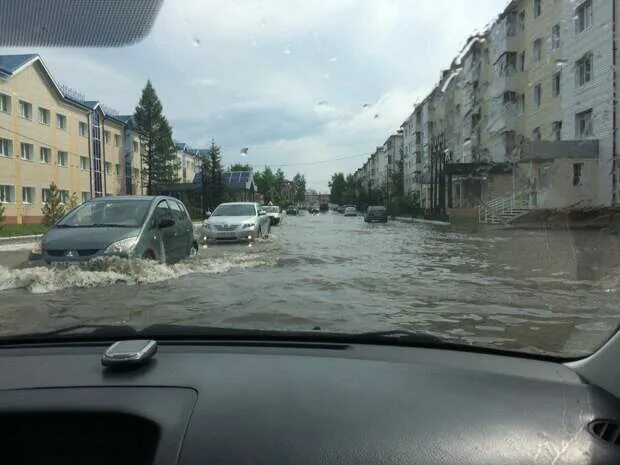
[157,228]
[291,210]
[376,214]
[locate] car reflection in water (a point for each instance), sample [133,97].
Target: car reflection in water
[157,228]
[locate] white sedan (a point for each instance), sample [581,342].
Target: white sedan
[236,222]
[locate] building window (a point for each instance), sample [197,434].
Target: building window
[536,134]
[25,109]
[555,37]
[556,83]
[84,166]
[583,16]
[83,129]
[45,155]
[537,8]
[136,146]
[5,103]
[511,23]
[85,196]
[27,194]
[556,130]
[522,20]
[583,69]
[108,168]
[45,195]
[64,196]
[117,140]
[522,61]
[61,121]
[44,116]
[577,173]
[510,97]
[583,124]
[522,103]
[6,148]
[106,137]
[537,49]
[537,95]
[117,169]
[7,194]
[63,158]
[27,151]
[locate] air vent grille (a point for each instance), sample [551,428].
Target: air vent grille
[606,430]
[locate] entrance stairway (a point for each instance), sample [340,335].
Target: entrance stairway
[502,210]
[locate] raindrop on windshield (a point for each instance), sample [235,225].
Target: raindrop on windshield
[196,42]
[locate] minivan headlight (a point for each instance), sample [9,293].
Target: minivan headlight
[122,246]
[249,225]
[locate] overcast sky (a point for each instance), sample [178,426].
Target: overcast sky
[287,79]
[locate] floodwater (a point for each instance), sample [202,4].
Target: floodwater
[553,292]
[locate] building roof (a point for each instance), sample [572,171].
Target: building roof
[13,64]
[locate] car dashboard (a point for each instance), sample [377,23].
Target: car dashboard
[299,403]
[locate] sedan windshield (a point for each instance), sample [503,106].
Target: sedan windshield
[108,213]
[235,210]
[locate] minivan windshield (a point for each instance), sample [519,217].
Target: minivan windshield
[108,213]
[235,210]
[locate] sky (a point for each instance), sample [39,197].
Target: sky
[298,83]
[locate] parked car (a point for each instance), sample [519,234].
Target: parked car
[376,213]
[340,208]
[291,210]
[274,214]
[313,210]
[350,211]
[236,221]
[153,227]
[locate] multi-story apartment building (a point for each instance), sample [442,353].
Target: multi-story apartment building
[189,161]
[526,110]
[47,136]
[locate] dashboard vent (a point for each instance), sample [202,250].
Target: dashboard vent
[606,430]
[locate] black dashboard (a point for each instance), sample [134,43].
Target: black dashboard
[253,403]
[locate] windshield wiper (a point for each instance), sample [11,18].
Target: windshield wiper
[172,332]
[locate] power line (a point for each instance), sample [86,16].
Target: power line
[318,162]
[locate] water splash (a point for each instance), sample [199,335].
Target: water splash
[114,270]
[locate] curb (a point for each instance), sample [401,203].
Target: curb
[18,239]
[405,219]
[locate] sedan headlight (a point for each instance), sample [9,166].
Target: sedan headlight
[248,225]
[122,246]
[37,248]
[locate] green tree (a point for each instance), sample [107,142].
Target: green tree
[300,187]
[265,183]
[214,174]
[337,187]
[74,201]
[160,164]
[53,208]
[240,167]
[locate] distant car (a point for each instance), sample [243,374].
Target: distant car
[157,228]
[236,221]
[376,214]
[291,210]
[350,211]
[340,208]
[274,214]
[313,209]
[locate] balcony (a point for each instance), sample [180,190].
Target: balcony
[550,150]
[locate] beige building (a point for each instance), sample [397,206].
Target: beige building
[48,136]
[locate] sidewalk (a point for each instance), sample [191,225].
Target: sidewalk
[20,239]
[407,219]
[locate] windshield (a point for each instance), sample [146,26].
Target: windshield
[447,167]
[127,213]
[235,210]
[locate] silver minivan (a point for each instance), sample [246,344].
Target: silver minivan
[150,227]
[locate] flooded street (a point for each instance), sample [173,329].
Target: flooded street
[541,291]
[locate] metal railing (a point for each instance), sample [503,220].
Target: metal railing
[502,209]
